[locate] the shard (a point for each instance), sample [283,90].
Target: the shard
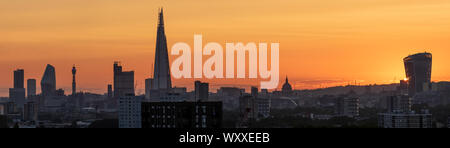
[48,82]
[161,72]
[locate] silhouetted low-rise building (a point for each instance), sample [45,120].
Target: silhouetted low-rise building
[263,107]
[3,121]
[253,108]
[405,120]
[30,112]
[60,92]
[230,92]
[398,104]
[9,108]
[130,111]
[162,95]
[201,90]
[181,114]
[347,106]
[17,95]
[248,109]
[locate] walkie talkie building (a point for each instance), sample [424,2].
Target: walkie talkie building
[418,72]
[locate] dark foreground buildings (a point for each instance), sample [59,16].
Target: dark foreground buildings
[347,105]
[405,120]
[181,114]
[400,115]
[201,91]
[3,121]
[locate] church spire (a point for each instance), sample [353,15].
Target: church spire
[287,88]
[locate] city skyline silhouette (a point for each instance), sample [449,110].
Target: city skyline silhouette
[331,47]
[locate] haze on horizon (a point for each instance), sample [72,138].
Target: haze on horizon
[322,43]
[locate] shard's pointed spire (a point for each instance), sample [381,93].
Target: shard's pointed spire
[287,79]
[161,17]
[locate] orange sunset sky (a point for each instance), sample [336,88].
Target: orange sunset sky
[322,42]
